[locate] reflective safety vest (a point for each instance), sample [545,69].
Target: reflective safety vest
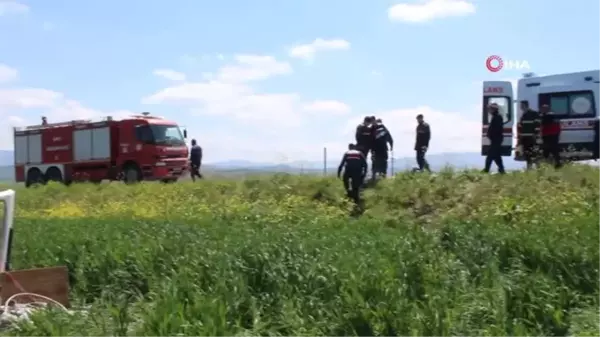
[380,131]
[529,126]
[353,155]
[529,129]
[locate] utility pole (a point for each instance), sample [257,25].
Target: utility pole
[324,161]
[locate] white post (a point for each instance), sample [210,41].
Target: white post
[8,197]
[324,161]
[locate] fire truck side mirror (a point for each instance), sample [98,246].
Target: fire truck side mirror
[184,133]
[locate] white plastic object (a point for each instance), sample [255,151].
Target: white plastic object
[8,198]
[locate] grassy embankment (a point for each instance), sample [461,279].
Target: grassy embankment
[457,254]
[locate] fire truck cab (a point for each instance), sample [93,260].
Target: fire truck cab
[136,148]
[573,99]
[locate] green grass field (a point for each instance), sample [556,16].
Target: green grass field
[460,253]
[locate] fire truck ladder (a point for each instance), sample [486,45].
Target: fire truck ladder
[55,125]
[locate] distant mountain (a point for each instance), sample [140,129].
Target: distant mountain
[239,163]
[242,167]
[436,161]
[6,158]
[7,173]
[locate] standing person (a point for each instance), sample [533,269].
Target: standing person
[364,136]
[422,143]
[354,164]
[550,135]
[528,132]
[381,138]
[495,133]
[195,160]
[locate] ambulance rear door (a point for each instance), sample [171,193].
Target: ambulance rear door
[501,93]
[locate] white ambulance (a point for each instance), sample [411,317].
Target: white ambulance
[572,97]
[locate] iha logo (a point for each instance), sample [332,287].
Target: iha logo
[495,63]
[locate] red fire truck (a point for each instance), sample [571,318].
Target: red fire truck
[136,148]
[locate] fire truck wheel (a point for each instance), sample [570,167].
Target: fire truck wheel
[131,174]
[54,174]
[34,176]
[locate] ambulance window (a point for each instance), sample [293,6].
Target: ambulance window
[570,104]
[581,104]
[559,105]
[503,107]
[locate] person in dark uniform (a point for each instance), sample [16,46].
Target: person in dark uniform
[422,142]
[495,133]
[354,164]
[364,136]
[195,160]
[550,129]
[381,138]
[528,133]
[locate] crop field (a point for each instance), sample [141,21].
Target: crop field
[460,253]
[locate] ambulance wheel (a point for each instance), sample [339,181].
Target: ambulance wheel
[54,174]
[131,174]
[34,177]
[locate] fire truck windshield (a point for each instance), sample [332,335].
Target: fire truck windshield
[160,134]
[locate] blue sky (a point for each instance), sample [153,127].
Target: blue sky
[278,80]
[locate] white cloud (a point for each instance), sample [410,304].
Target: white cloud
[7,74]
[267,126]
[308,51]
[228,93]
[169,74]
[450,131]
[8,7]
[263,123]
[16,105]
[253,68]
[15,120]
[430,10]
[25,98]
[6,134]
[330,106]
[240,121]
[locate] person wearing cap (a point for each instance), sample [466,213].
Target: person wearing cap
[528,131]
[495,133]
[550,130]
[195,160]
